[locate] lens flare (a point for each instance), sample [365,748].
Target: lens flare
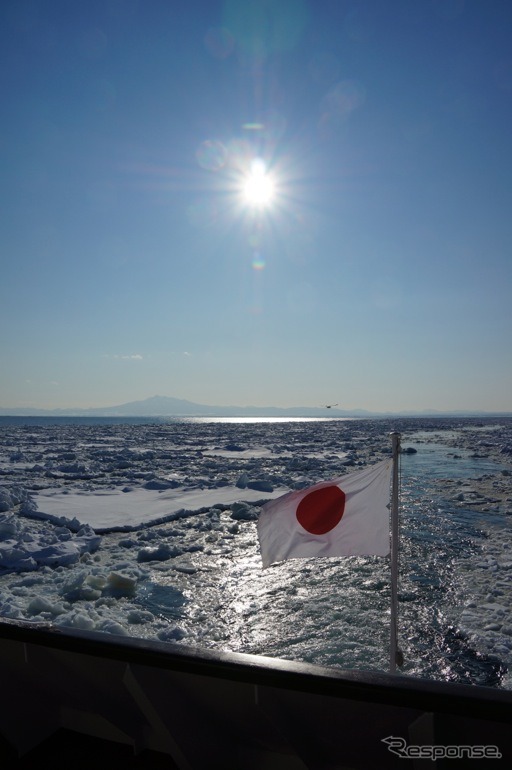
[258,263]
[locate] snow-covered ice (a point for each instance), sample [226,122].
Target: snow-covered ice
[133,508]
[150,531]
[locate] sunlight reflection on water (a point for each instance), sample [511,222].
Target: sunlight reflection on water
[208,587]
[336,611]
[252,420]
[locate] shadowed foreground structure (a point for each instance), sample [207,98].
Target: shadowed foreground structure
[71,699]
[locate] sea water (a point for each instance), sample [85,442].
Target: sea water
[213,592]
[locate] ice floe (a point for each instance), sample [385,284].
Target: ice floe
[150,531]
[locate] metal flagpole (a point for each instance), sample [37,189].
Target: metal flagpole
[395,657]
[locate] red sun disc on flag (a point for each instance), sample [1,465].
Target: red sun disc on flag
[321,510]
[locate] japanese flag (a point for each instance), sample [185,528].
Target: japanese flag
[347,516]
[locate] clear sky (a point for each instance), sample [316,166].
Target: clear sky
[256,202]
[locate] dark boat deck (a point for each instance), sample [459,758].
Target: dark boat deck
[69,750]
[70,700]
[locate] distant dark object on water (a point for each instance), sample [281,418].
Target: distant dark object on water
[409,450]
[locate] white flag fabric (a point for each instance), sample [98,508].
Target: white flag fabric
[347,516]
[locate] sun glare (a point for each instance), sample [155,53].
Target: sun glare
[259,188]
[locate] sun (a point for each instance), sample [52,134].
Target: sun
[258,188]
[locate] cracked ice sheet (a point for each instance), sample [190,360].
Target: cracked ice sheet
[114,508]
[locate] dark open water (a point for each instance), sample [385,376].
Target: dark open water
[436,534]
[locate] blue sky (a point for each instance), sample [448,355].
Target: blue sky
[132,264]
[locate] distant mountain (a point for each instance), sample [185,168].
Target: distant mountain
[156,406]
[166,406]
